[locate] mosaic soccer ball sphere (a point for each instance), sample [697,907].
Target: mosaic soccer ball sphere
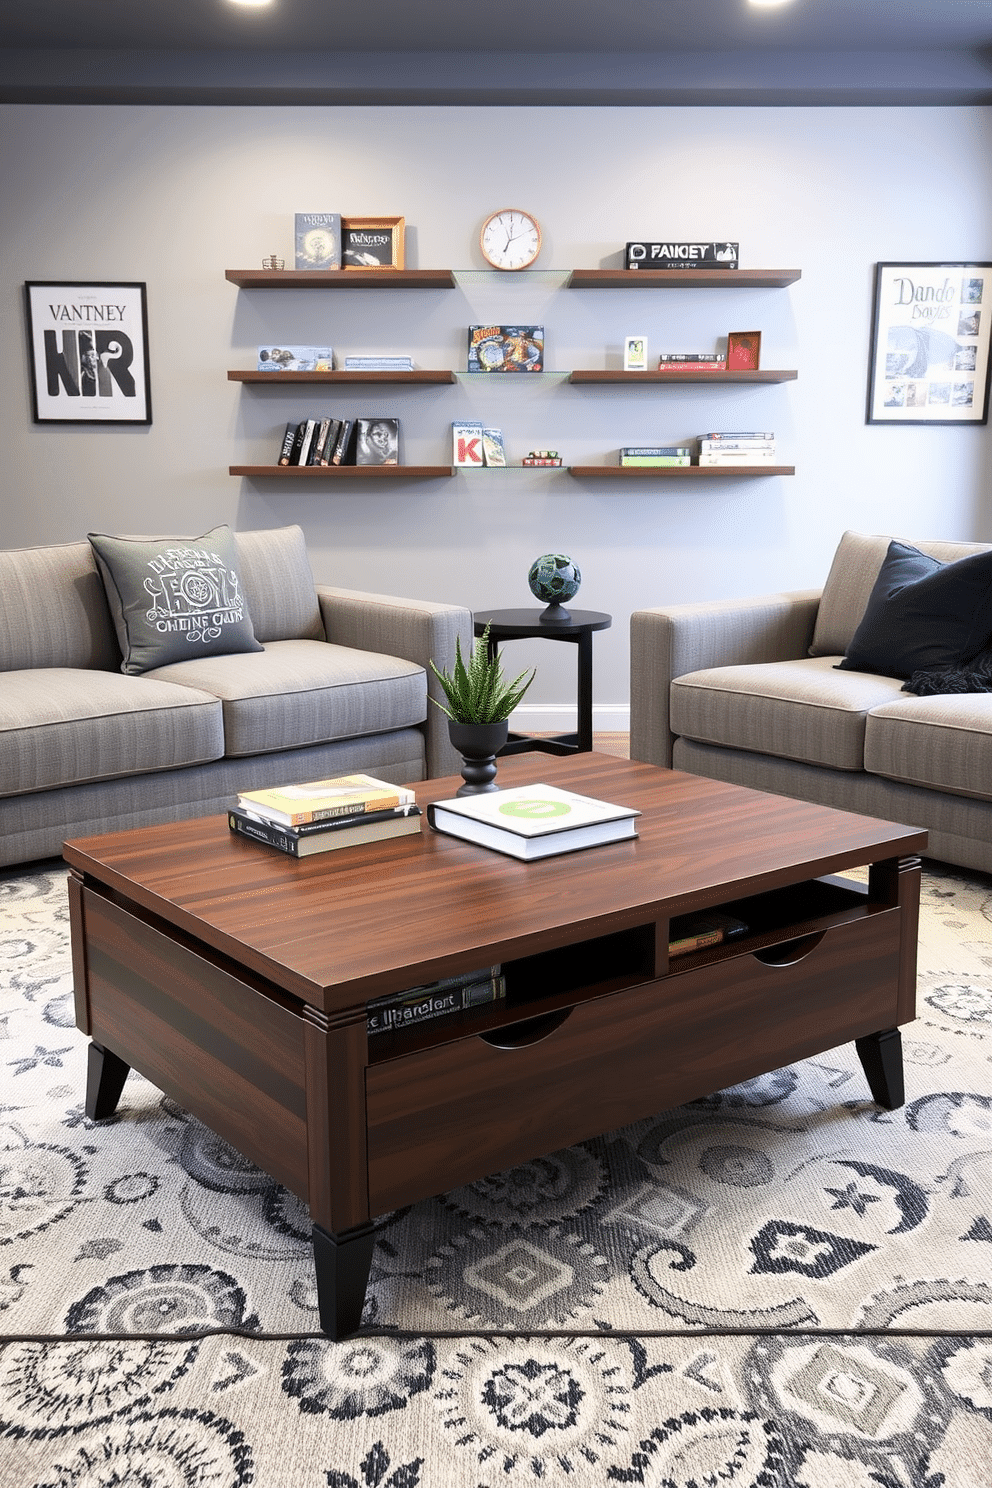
[554,577]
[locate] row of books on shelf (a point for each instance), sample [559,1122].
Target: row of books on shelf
[321,359]
[720,447]
[331,441]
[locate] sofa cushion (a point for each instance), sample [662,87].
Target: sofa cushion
[53,610]
[852,576]
[944,743]
[172,598]
[61,726]
[922,613]
[801,710]
[278,585]
[306,692]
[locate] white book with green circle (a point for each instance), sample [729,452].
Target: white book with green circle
[533,821]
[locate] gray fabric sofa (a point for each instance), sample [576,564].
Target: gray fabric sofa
[341,684]
[747,691]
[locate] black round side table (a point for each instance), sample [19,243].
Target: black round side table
[576,626]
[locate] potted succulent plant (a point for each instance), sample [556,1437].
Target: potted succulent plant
[480,701]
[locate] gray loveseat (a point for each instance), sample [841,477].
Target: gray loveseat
[747,691]
[341,684]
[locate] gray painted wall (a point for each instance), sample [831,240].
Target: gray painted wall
[173,196]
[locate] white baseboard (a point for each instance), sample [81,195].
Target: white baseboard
[536,718]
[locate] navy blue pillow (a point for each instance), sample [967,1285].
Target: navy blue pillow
[923,614]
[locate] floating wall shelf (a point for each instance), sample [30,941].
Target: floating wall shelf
[682,278]
[656,378]
[678,472]
[341,278]
[274,379]
[345,472]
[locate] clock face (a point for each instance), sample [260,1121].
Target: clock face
[510,239]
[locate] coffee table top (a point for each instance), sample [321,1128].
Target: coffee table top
[337,928]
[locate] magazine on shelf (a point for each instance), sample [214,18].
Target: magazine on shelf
[533,821]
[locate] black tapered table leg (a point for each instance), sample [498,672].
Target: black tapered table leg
[881,1060]
[342,1263]
[105,1076]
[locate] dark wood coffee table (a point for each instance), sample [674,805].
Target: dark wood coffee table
[236,980]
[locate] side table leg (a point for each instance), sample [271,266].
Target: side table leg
[105,1076]
[584,691]
[881,1060]
[342,1263]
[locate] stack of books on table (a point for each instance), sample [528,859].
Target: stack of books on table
[733,448]
[533,821]
[321,815]
[692,361]
[435,1000]
[656,454]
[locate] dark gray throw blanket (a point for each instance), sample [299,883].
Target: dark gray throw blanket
[973,676]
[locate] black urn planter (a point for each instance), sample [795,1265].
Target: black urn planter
[478,744]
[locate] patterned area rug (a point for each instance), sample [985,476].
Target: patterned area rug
[780,1286]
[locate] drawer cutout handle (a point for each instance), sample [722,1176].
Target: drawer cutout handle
[790,951]
[528,1031]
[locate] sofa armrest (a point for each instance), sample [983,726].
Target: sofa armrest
[667,643]
[416,630]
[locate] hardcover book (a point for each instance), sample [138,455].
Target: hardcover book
[319,800]
[505,348]
[377,441]
[493,450]
[682,255]
[295,359]
[466,445]
[345,831]
[378,364]
[318,240]
[423,1003]
[647,461]
[533,821]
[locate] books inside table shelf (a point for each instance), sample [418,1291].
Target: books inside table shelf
[533,821]
[435,1000]
[693,932]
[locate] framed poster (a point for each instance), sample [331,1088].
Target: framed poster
[930,344]
[88,349]
[372,242]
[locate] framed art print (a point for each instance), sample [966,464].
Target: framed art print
[372,242]
[88,351]
[929,360]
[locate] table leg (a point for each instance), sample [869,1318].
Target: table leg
[881,1060]
[105,1076]
[584,718]
[342,1263]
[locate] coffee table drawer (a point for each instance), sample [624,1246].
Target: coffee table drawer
[454,1113]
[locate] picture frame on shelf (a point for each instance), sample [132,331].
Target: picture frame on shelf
[929,357]
[635,353]
[373,242]
[88,351]
[743,351]
[377,441]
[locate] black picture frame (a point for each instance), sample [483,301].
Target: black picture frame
[88,351]
[930,336]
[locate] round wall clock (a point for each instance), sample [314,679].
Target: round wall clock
[510,239]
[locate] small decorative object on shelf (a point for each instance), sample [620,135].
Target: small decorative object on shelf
[493,348]
[542,457]
[552,578]
[318,240]
[743,351]
[682,255]
[510,239]
[480,702]
[273,262]
[635,353]
[372,242]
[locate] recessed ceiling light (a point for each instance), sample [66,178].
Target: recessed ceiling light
[254,3]
[763,4]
